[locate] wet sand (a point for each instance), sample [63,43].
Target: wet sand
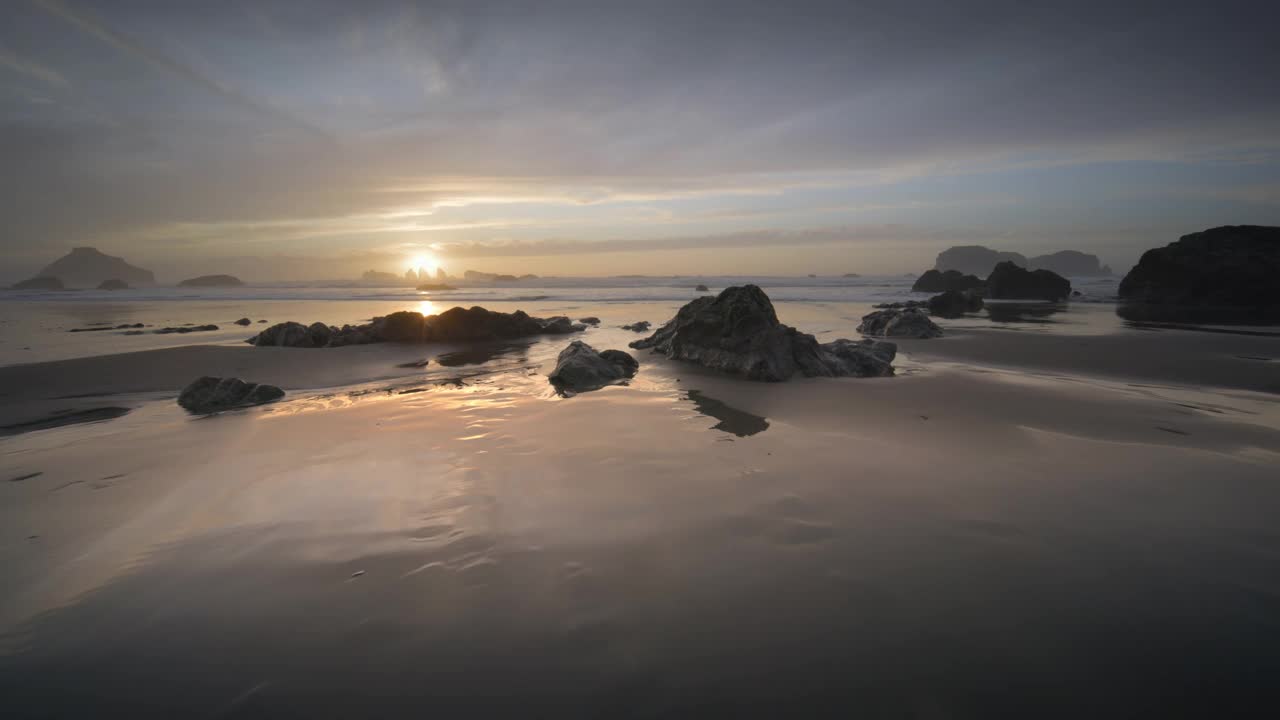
[1060,533]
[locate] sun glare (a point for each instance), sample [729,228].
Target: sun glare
[422,261]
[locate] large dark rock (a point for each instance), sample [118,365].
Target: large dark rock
[1070,263]
[1232,271]
[1010,282]
[40,283]
[738,332]
[113,284]
[934,281]
[909,323]
[212,281]
[579,368]
[457,324]
[974,260]
[954,303]
[86,267]
[212,394]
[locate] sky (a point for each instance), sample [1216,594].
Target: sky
[298,140]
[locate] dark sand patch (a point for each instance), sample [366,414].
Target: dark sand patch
[62,419]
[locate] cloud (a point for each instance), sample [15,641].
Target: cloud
[330,126]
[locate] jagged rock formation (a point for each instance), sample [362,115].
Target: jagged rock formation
[934,281]
[86,267]
[974,260]
[738,332]
[212,281]
[1010,282]
[213,394]
[1234,269]
[909,323]
[1070,263]
[580,368]
[456,324]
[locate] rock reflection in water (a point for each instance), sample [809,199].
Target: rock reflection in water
[732,420]
[1022,312]
[480,354]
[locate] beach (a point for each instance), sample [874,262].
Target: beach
[1047,512]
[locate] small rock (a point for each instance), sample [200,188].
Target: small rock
[183,330]
[213,394]
[579,367]
[641,326]
[244,321]
[911,323]
[590,320]
[702,288]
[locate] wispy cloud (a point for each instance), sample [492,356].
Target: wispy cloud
[31,69]
[96,28]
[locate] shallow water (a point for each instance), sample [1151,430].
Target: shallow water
[959,541]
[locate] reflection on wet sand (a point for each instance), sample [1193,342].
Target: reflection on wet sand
[732,420]
[483,353]
[1039,312]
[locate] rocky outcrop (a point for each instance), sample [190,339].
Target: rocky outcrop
[974,260]
[86,267]
[910,323]
[40,283]
[213,394]
[244,321]
[934,281]
[113,284]
[580,368]
[1070,263]
[702,288]
[1010,282]
[292,334]
[589,320]
[923,304]
[954,303]
[454,325]
[738,332]
[641,326]
[183,329]
[212,281]
[1231,271]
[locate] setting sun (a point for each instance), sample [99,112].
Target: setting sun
[422,261]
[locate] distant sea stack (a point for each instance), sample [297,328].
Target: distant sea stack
[980,261]
[1070,263]
[86,267]
[1231,271]
[212,281]
[975,260]
[42,282]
